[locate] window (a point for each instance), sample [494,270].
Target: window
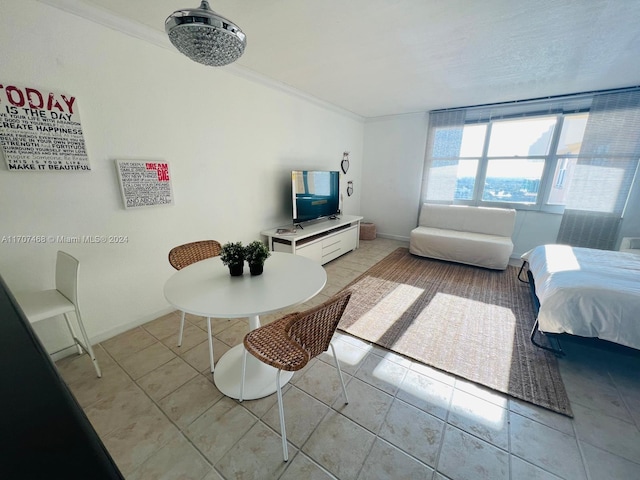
[510,171]
[569,144]
[561,173]
[576,153]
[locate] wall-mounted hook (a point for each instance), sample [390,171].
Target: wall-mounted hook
[344,164]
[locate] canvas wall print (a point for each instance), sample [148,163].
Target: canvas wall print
[144,183]
[40,130]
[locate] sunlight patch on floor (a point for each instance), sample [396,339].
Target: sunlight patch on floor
[488,350]
[479,411]
[387,311]
[351,355]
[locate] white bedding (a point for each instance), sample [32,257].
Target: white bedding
[587,292]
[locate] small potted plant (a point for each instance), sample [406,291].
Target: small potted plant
[256,253]
[232,254]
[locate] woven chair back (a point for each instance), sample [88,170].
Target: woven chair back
[184,255]
[314,329]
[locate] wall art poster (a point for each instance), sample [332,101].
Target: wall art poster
[40,130]
[144,183]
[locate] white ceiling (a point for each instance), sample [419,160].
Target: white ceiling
[385,57]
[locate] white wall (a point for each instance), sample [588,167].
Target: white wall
[231,143]
[392,175]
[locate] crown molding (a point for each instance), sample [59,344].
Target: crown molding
[145,33]
[109,19]
[249,74]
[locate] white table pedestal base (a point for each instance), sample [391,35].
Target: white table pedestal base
[260,378]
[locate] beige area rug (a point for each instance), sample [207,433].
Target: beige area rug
[468,321]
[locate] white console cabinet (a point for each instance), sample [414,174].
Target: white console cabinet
[322,241]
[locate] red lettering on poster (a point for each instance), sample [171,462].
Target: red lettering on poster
[163,172]
[18,98]
[11,90]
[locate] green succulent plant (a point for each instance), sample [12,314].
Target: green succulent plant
[256,253]
[232,253]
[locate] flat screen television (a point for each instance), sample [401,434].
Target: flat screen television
[316,194]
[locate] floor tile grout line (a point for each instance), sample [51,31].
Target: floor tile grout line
[393,398]
[448,408]
[378,436]
[160,446]
[509,447]
[512,455]
[375,434]
[442,435]
[604,413]
[158,406]
[196,419]
[539,467]
[583,459]
[300,450]
[635,421]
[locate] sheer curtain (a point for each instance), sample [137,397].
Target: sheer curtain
[443,149]
[604,172]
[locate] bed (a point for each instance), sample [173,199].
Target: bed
[586,292]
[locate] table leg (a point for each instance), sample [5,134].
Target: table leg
[254,322]
[260,378]
[210,343]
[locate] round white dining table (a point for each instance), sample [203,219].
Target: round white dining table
[205,288]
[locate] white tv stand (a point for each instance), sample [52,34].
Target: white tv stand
[322,241]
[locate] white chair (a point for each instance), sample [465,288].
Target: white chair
[38,306]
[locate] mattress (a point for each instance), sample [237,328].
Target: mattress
[587,292]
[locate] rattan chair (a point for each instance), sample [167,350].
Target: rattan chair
[290,342]
[184,255]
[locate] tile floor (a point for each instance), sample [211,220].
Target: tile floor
[161,417]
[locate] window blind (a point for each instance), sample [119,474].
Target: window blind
[604,172]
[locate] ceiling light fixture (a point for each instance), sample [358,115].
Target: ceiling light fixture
[204,36]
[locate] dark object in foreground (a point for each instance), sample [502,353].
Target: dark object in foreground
[45,433]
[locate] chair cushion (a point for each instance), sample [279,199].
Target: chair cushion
[489,251]
[487,220]
[44,304]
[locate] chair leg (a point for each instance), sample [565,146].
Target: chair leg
[335,359]
[283,430]
[87,344]
[73,333]
[210,343]
[181,330]
[244,372]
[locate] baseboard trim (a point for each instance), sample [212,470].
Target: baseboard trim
[106,335]
[392,237]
